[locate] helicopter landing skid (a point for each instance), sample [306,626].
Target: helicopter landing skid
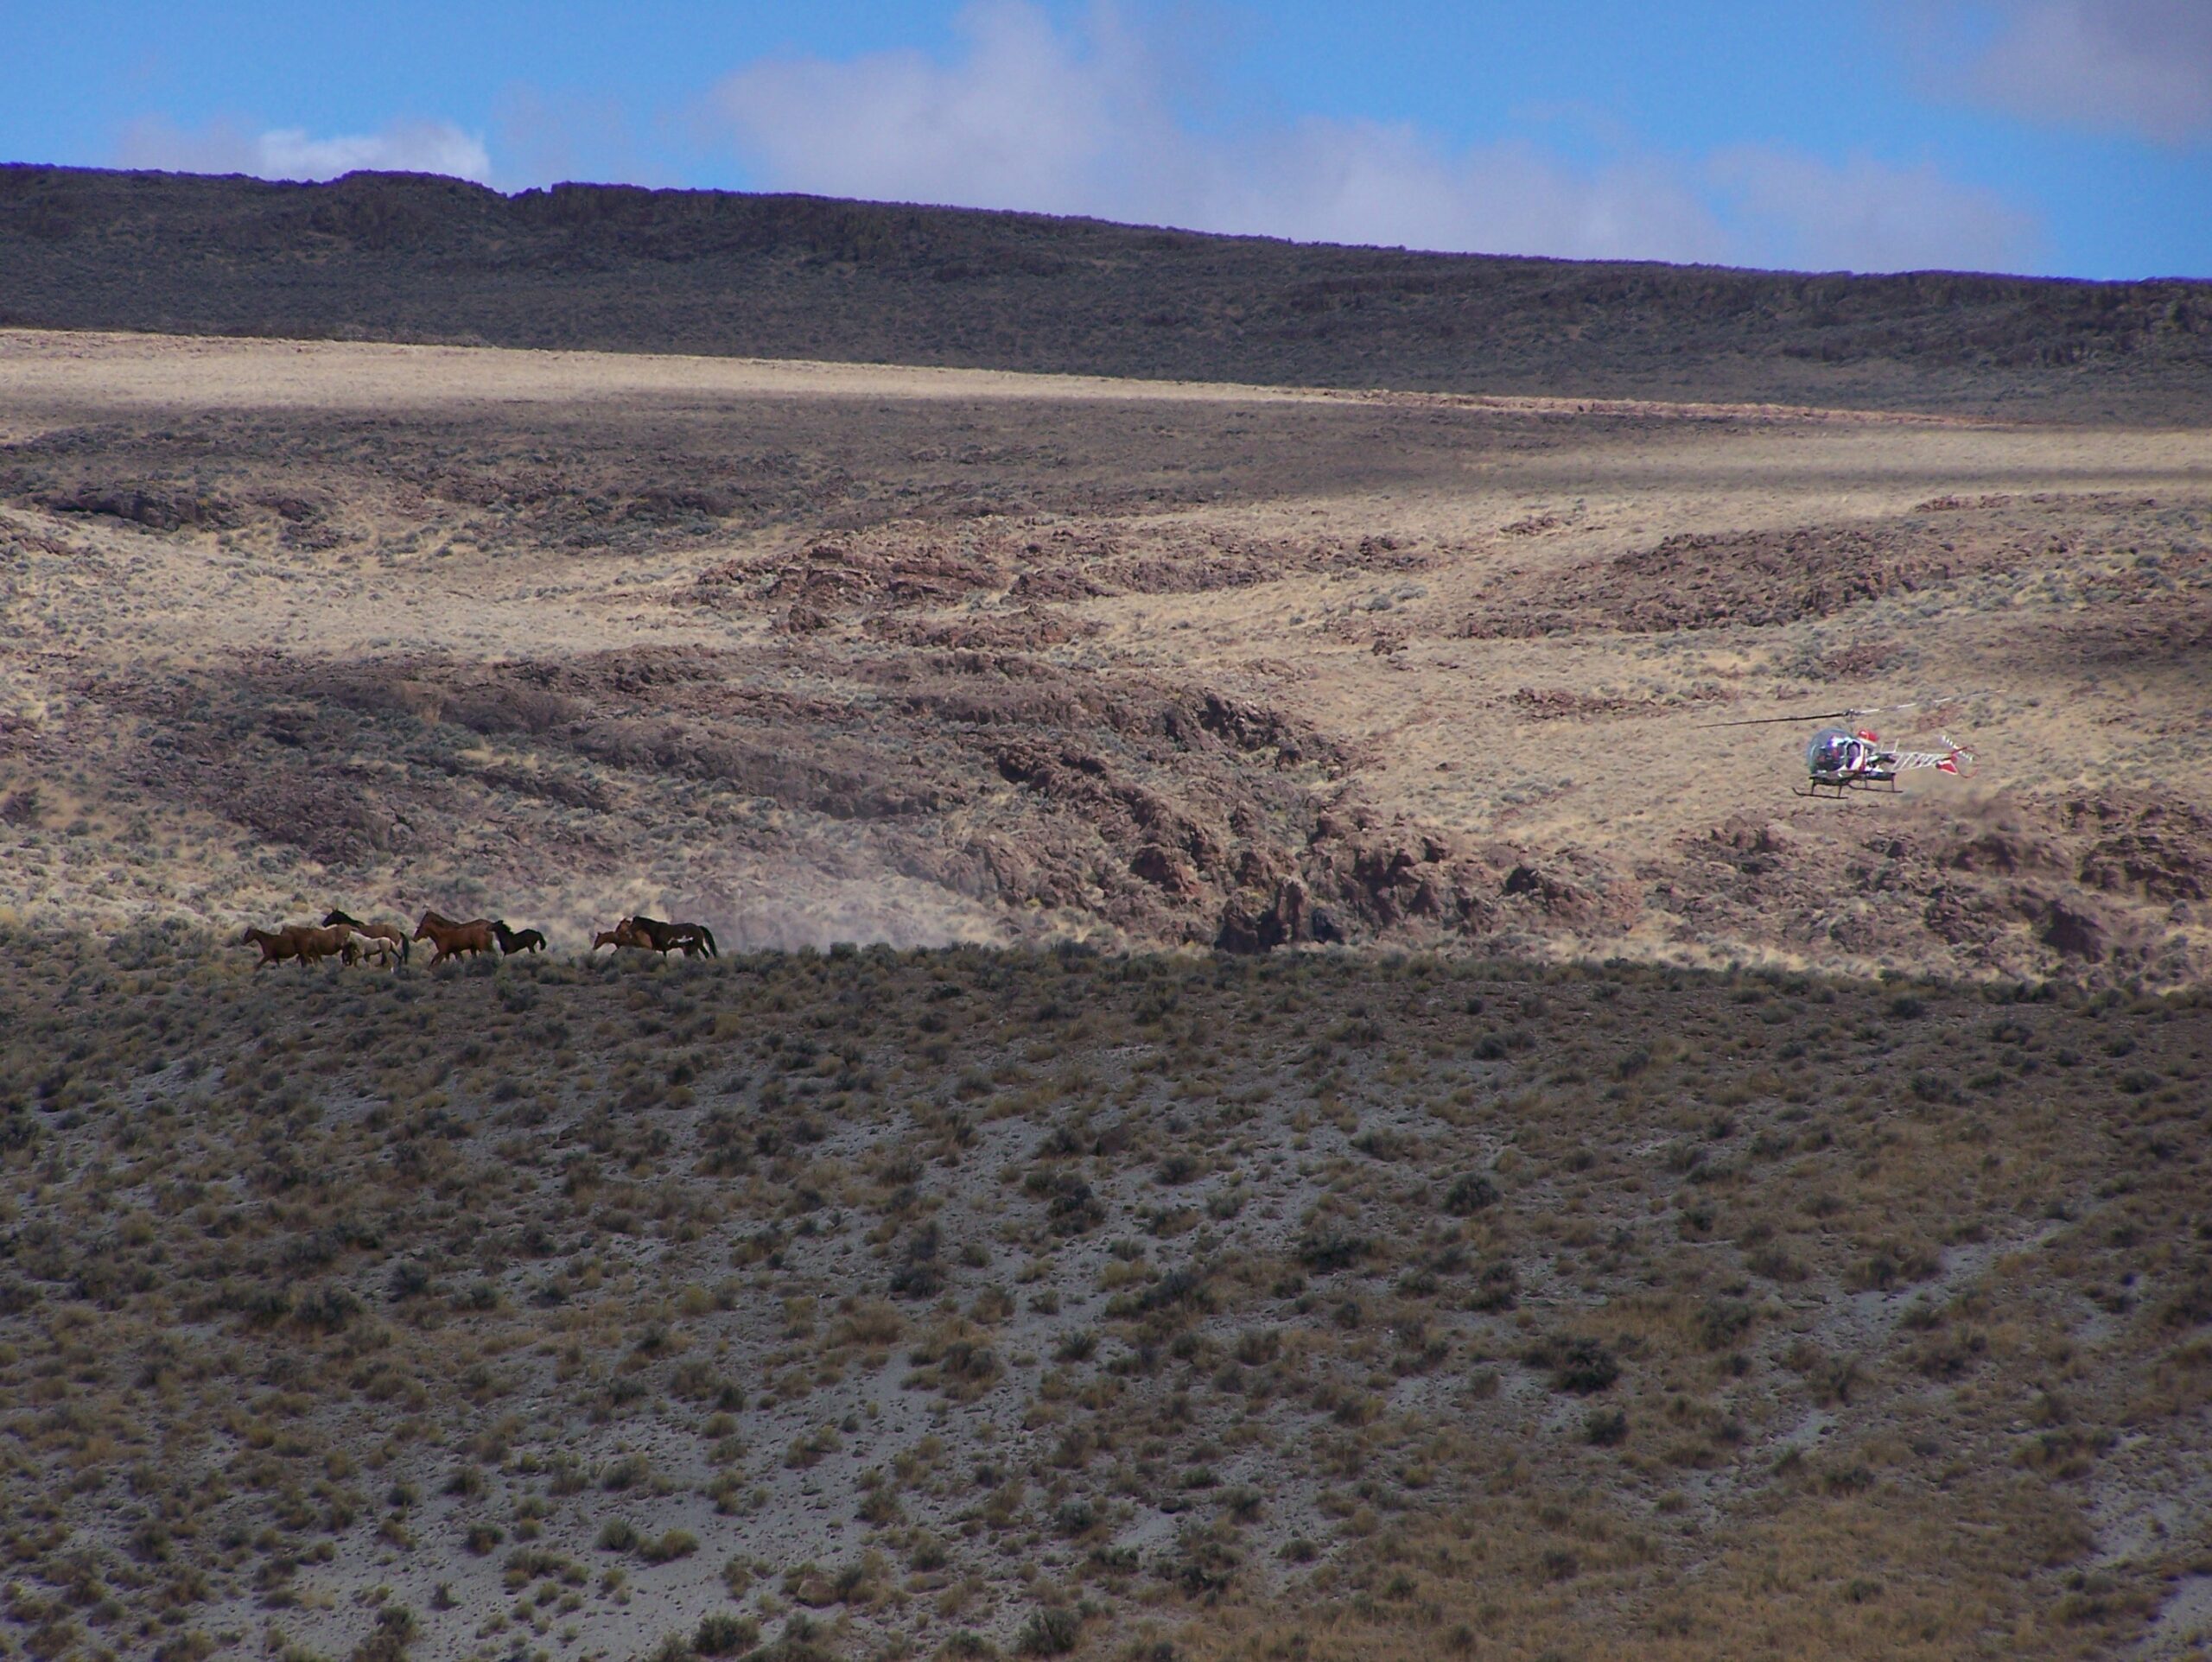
[1835,789]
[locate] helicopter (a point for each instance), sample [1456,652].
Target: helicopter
[1840,760]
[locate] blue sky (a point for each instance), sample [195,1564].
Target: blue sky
[2065,136]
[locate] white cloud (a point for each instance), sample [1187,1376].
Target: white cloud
[1335,182]
[1868,216]
[1031,119]
[2137,67]
[222,146]
[549,137]
[2140,65]
[1027,119]
[1029,116]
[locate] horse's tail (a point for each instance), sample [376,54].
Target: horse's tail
[708,935]
[405,949]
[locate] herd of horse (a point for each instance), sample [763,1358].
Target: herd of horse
[350,941]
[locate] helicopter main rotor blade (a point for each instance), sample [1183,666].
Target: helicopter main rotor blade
[1770,721]
[1838,715]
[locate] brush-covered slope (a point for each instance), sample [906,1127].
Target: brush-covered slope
[398,257]
[975,1303]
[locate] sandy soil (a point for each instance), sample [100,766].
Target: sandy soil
[1502,628]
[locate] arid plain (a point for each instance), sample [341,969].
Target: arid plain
[1279,1086]
[827,652]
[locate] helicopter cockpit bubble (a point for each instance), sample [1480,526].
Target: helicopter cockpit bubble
[1833,751]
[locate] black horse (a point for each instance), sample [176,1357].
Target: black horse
[513,941]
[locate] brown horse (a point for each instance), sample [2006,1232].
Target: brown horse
[312,946]
[379,931]
[451,938]
[276,945]
[620,935]
[309,946]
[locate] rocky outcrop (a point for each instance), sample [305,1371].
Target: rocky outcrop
[2074,932]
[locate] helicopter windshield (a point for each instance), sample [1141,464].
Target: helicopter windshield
[1833,751]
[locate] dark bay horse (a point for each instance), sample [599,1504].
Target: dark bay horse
[664,938]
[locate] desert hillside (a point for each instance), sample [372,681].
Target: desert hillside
[400,257]
[1288,1079]
[825,653]
[974,1303]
